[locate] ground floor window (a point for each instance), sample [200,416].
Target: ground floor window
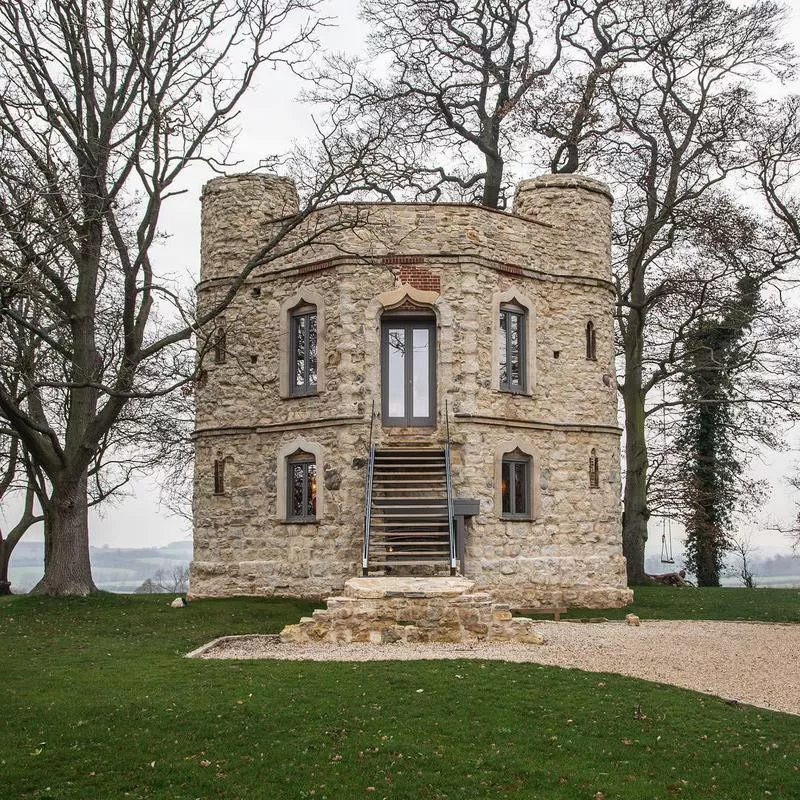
[301,503]
[516,486]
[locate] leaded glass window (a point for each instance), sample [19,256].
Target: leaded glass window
[303,344]
[512,353]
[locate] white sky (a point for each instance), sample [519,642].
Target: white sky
[271,119]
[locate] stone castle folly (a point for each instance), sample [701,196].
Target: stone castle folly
[424,389]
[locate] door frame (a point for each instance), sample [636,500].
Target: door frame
[409,322]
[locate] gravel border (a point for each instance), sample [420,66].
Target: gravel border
[754,663]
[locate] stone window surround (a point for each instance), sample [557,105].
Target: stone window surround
[282,481]
[526,447]
[514,297]
[304,297]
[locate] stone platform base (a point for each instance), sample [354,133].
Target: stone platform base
[386,610]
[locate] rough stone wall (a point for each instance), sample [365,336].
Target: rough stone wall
[467,256]
[566,388]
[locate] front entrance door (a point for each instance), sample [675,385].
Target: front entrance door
[408,371]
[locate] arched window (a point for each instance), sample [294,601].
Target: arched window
[591,342]
[301,487]
[594,470]
[515,490]
[303,350]
[513,348]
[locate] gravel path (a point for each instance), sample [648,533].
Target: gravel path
[753,663]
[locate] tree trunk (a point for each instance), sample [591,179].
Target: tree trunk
[706,545]
[634,519]
[493,182]
[5,557]
[67,570]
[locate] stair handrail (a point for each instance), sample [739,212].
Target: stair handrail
[368,496]
[450,510]
[371,420]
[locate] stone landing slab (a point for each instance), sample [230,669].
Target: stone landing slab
[389,610]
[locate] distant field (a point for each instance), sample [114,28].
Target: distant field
[779,581]
[114,569]
[99,703]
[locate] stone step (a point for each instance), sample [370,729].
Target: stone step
[422,456]
[385,610]
[430,560]
[407,537]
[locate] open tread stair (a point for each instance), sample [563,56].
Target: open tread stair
[407,519]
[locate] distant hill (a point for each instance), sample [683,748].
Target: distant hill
[115,569]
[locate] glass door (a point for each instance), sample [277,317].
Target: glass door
[408,372]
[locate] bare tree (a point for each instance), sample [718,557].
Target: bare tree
[176,581]
[742,548]
[457,75]
[655,95]
[14,480]
[683,126]
[102,107]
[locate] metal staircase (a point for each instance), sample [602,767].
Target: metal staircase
[408,514]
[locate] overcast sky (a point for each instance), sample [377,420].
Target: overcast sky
[271,118]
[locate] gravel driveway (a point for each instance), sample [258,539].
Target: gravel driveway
[753,663]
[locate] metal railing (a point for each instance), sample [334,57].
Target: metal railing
[450,514]
[368,496]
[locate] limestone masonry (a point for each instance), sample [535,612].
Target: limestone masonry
[387,324]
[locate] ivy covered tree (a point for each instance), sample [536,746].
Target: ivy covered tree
[715,429]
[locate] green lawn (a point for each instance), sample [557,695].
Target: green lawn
[100,705]
[666,602]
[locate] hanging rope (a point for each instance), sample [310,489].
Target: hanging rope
[666,541]
[666,522]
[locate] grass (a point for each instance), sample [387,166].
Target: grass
[99,704]
[665,602]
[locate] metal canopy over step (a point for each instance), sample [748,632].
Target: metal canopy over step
[408,508]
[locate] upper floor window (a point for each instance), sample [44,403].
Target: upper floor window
[512,355]
[303,350]
[301,505]
[220,345]
[591,342]
[594,470]
[516,486]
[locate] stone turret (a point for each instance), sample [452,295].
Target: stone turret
[576,207]
[236,213]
